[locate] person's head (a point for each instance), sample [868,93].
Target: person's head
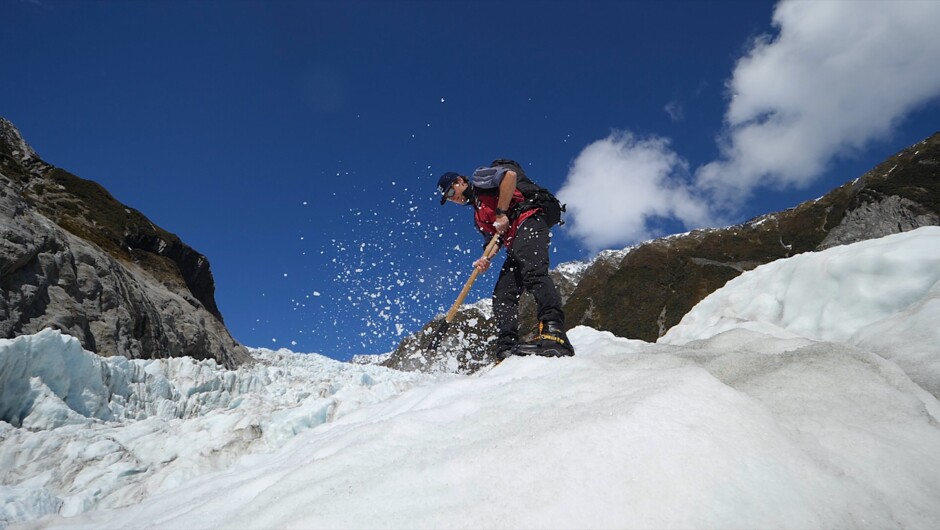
[452,187]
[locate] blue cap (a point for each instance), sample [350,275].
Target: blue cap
[444,184]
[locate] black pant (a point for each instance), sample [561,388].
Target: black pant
[526,269]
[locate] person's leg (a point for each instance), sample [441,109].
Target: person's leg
[506,295]
[530,250]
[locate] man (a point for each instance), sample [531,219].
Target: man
[496,203]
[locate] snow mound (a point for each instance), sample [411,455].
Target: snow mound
[624,434]
[882,295]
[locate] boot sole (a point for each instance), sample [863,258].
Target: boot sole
[547,352]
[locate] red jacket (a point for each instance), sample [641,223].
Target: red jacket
[484,214]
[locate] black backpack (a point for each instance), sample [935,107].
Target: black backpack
[535,195]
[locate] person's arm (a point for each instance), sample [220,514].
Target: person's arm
[507,187]
[506,190]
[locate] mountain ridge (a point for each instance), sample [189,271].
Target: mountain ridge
[77,259]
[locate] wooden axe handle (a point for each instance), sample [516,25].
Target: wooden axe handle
[491,249]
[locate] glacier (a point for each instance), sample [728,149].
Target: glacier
[803,394]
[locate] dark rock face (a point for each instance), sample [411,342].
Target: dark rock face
[74,258]
[465,348]
[643,291]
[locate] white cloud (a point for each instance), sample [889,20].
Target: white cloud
[675,110]
[837,76]
[619,184]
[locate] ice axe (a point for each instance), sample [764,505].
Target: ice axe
[438,335]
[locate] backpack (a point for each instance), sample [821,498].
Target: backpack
[535,195]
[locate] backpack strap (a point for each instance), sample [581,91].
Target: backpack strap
[509,163]
[535,195]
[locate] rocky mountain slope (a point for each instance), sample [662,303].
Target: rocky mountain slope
[643,291]
[74,258]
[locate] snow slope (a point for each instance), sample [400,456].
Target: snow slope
[83,432]
[720,425]
[881,295]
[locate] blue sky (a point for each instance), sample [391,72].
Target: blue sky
[297,144]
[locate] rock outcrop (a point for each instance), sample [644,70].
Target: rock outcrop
[642,291]
[75,259]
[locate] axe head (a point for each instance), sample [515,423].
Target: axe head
[438,335]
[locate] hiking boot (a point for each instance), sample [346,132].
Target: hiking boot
[503,352]
[506,347]
[551,342]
